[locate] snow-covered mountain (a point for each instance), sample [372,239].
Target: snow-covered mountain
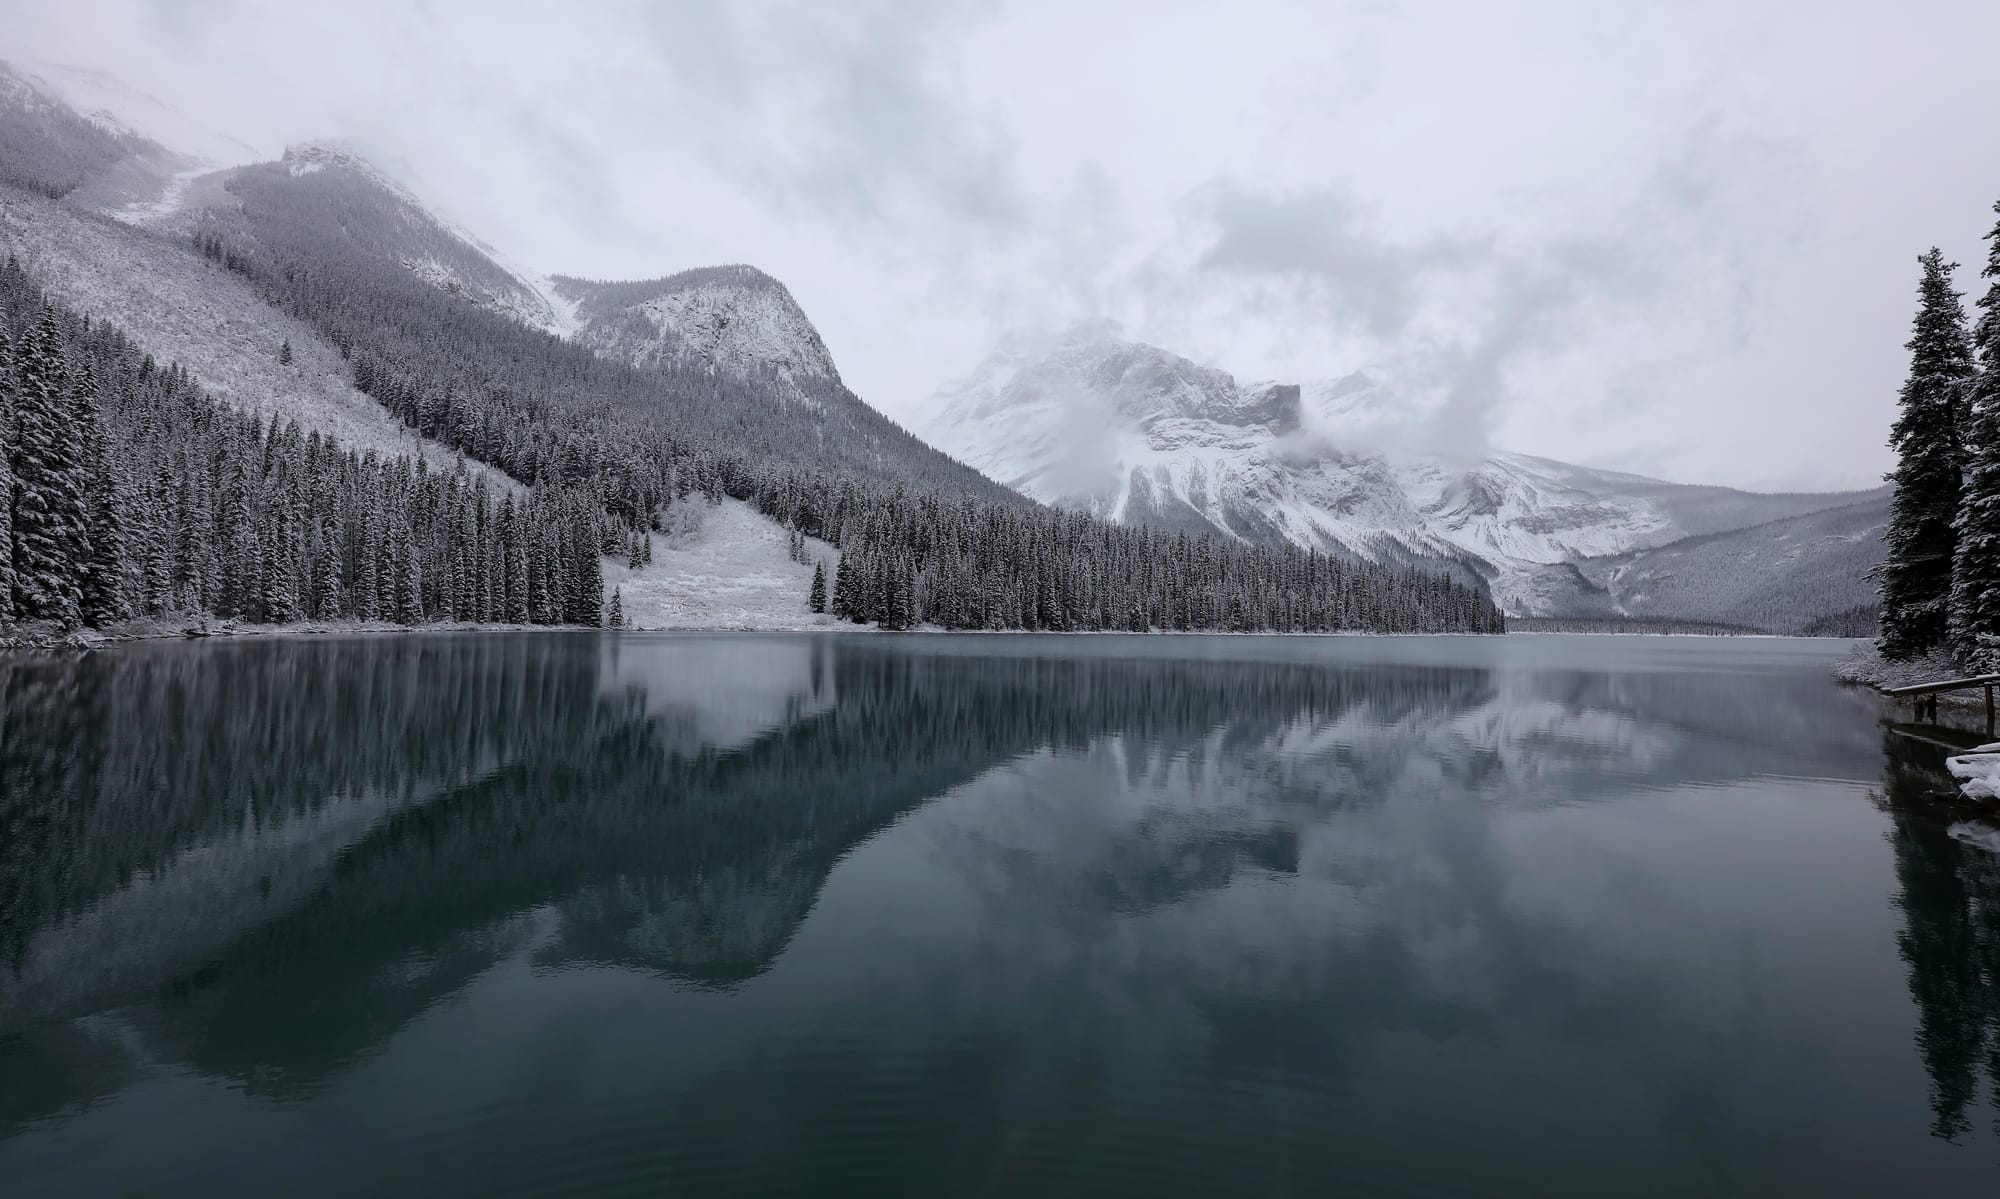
[51,146]
[725,353]
[331,192]
[728,318]
[1092,420]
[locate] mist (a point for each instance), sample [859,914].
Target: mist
[1679,242]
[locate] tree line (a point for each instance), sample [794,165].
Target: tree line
[132,492]
[1940,580]
[930,540]
[961,566]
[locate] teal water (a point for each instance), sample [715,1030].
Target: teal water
[872,915]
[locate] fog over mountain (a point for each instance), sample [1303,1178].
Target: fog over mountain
[1676,243]
[1380,470]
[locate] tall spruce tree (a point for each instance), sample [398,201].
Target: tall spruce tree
[101,590]
[1915,577]
[48,496]
[1975,573]
[615,619]
[8,404]
[817,598]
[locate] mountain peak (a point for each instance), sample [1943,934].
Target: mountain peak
[1085,418]
[311,157]
[733,318]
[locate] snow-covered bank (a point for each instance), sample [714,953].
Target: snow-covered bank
[1978,772]
[729,567]
[1865,665]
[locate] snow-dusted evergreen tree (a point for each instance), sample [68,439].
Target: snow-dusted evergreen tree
[615,619]
[1915,577]
[1975,575]
[8,390]
[48,492]
[405,575]
[101,582]
[817,598]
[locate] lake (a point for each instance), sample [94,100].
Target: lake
[556,914]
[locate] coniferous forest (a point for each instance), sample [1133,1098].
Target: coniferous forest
[135,493]
[1940,581]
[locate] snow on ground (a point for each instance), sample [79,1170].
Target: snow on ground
[182,308]
[157,209]
[1978,772]
[1864,664]
[733,572]
[563,318]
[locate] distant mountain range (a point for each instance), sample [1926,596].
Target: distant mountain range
[1086,419]
[1089,419]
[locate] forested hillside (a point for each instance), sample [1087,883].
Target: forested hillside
[1778,577]
[134,493]
[268,520]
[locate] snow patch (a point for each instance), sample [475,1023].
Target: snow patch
[1978,773]
[733,571]
[166,204]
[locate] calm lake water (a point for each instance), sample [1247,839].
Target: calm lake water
[930,915]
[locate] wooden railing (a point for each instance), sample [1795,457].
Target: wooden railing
[1925,695]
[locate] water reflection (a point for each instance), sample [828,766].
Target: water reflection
[1234,895]
[1949,897]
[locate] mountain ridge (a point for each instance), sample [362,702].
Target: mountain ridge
[1091,420]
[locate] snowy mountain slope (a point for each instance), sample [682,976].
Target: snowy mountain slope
[47,146]
[729,318]
[1780,575]
[110,101]
[181,308]
[724,354]
[1088,419]
[360,210]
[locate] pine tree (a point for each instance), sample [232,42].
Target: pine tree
[8,405]
[616,618]
[1975,573]
[101,575]
[1915,577]
[817,600]
[406,577]
[48,497]
[285,353]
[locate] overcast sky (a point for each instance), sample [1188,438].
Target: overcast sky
[1679,241]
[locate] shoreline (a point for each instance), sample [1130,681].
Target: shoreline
[31,640]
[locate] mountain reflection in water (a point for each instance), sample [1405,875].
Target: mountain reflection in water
[949,914]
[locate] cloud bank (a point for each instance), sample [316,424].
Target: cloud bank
[1678,240]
